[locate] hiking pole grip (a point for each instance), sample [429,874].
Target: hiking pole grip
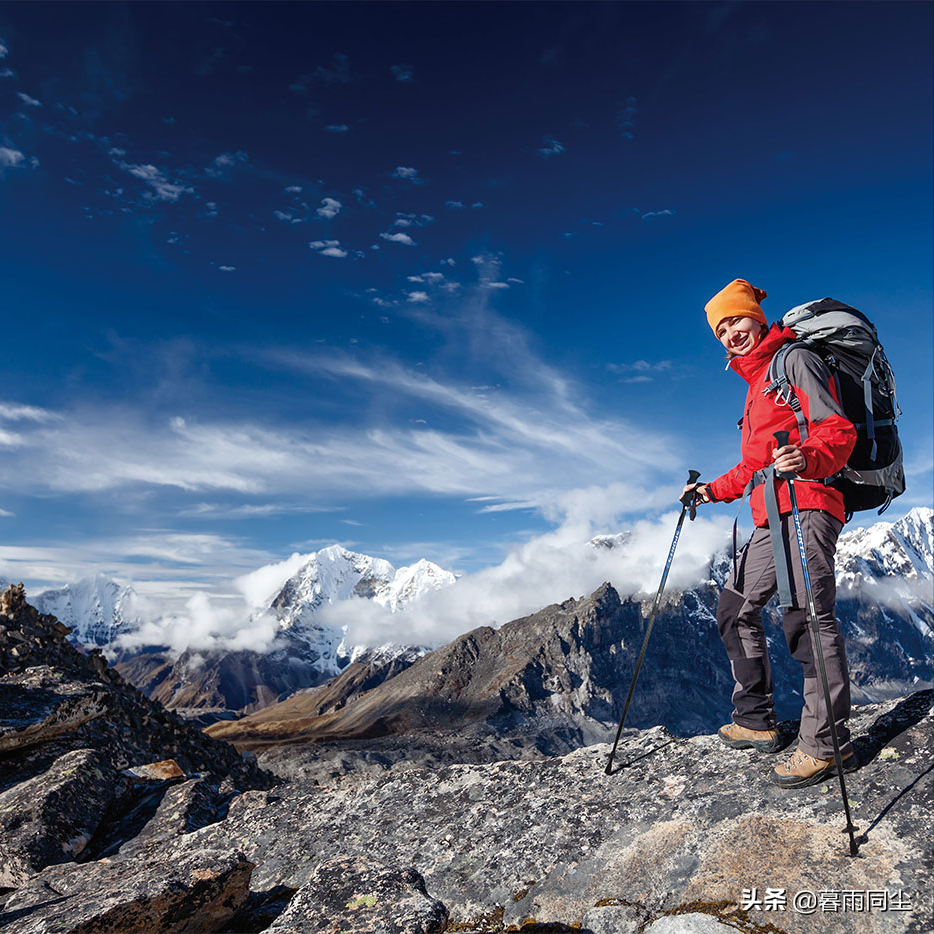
[781,439]
[689,500]
[693,477]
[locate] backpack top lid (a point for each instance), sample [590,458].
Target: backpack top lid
[829,319]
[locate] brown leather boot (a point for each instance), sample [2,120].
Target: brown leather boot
[802,770]
[740,737]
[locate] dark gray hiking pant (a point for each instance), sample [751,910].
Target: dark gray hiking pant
[739,618]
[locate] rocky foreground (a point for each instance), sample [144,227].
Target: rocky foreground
[685,835]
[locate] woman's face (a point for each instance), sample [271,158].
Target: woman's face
[739,335]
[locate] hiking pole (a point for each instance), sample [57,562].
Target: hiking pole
[688,500]
[781,437]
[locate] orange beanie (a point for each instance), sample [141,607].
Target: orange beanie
[739,299]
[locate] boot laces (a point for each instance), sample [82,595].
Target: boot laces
[798,758]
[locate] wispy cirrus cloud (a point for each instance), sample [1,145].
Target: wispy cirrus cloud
[550,147]
[626,111]
[402,73]
[667,212]
[27,100]
[337,71]
[641,371]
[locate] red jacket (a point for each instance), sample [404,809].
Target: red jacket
[830,435]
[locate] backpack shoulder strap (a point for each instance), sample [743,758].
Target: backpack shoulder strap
[779,383]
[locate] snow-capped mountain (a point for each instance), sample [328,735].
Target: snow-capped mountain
[334,573]
[899,554]
[96,608]
[307,652]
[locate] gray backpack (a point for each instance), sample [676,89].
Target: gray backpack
[847,342]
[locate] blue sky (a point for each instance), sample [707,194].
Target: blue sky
[425,279]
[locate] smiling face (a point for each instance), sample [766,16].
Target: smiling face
[740,334]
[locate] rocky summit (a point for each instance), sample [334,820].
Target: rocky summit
[119,816]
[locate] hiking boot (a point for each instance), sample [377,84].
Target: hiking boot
[802,770]
[740,737]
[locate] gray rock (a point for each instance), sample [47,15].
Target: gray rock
[187,890]
[36,706]
[614,919]
[691,923]
[51,697]
[680,822]
[155,815]
[359,896]
[50,818]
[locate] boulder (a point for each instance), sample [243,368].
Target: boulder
[163,771]
[51,817]
[184,889]
[360,896]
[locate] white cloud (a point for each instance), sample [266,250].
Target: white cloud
[12,159]
[13,412]
[227,268]
[6,513]
[417,297]
[4,50]
[666,213]
[338,128]
[206,625]
[7,73]
[27,100]
[454,204]
[406,172]
[403,73]
[433,278]
[412,220]
[225,161]
[294,189]
[330,207]
[163,189]
[259,587]
[547,569]
[550,147]
[402,238]
[328,248]
[641,371]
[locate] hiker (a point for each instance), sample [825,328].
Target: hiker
[736,318]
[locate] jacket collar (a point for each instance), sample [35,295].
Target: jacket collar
[753,364]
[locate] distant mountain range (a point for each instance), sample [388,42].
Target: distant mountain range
[212,683]
[573,672]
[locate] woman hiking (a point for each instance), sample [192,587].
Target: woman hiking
[738,322]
